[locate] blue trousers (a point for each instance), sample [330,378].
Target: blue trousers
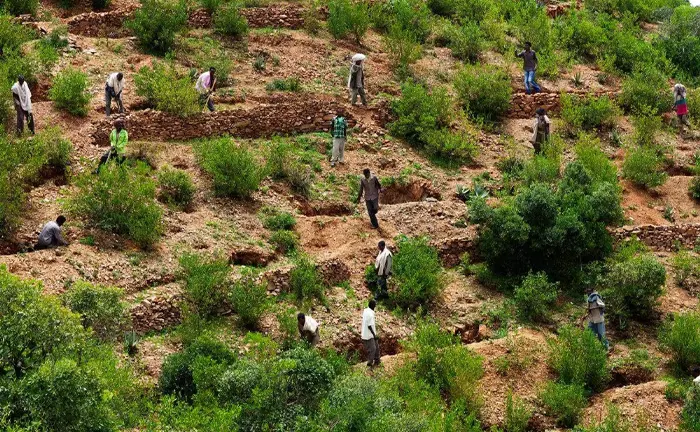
[530,84]
[599,330]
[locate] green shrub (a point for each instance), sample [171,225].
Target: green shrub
[644,166]
[681,336]
[518,414]
[176,187]
[12,34]
[211,5]
[403,50]
[417,273]
[531,23]
[564,402]
[419,111]
[579,358]
[588,113]
[166,90]
[65,396]
[580,35]
[156,23]
[646,125]
[694,188]
[690,417]
[646,88]
[451,147]
[249,300]
[100,308]
[625,51]
[285,241]
[229,21]
[594,160]
[484,92]
[276,220]
[206,282]
[686,269]
[70,92]
[285,85]
[466,41]
[348,18]
[20,7]
[309,377]
[305,282]
[681,39]
[635,286]
[535,297]
[234,169]
[409,17]
[120,199]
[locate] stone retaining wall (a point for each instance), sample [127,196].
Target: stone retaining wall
[661,237]
[280,16]
[101,24]
[156,313]
[523,105]
[279,117]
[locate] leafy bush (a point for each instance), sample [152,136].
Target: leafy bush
[234,169]
[466,41]
[535,297]
[411,18]
[285,241]
[681,39]
[211,5]
[100,308]
[176,187]
[403,50]
[12,34]
[166,90]
[206,282]
[20,7]
[579,358]
[276,220]
[580,35]
[635,287]
[120,199]
[285,85]
[484,92]
[518,414]
[625,51]
[308,376]
[644,166]
[70,92]
[229,21]
[646,88]
[346,17]
[419,111]
[451,147]
[588,113]
[156,23]
[690,417]
[564,402]
[417,273]
[646,125]
[686,269]
[249,300]
[681,336]
[305,282]
[694,188]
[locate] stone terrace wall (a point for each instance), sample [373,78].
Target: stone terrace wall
[289,16]
[661,237]
[156,313]
[101,24]
[284,117]
[523,105]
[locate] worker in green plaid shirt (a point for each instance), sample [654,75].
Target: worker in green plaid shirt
[339,127]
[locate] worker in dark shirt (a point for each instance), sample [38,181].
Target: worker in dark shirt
[370,187]
[530,66]
[50,236]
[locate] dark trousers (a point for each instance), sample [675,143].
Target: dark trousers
[372,209]
[108,102]
[21,115]
[109,155]
[382,291]
[206,99]
[372,348]
[361,92]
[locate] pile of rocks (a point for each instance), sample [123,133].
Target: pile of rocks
[252,256]
[451,250]
[523,105]
[101,24]
[332,272]
[278,16]
[156,313]
[280,118]
[661,237]
[558,9]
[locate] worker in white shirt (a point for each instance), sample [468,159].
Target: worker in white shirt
[206,84]
[369,335]
[308,329]
[113,90]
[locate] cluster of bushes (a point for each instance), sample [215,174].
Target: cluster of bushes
[175,187]
[288,161]
[101,308]
[556,226]
[424,117]
[229,21]
[282,225]
[156,23]
[588,113]
[55,374]
[24,163]
[120,199]
[234,168]
[167,90]
[70,92]
[681,337]
[417,273]
[484,91]
[348,18]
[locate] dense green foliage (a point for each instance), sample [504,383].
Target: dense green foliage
[100,308]
[535,297]
[417,273]
[70,91]
[646,89]
[579,358]
[484,91]
[276,220]
[305,282]
[564,402]
[234,170]
[20,7]
[588,113]
[681,336]
[167,90]
[348,18]
[644,166]
[175,187]
[291,84]
[249,300]
[229,21]
[156,23]
[690,417]
[120,199]
[206,283]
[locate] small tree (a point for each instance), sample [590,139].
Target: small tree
[234,169]
[417,273]
[346,17]
[156,23]
[681,336]
[176,187]
[70,92]
[484,93]
[644,166]
[229,21]
[206,282]
[166,90]
[101,308]
[535,297]
[579,358]
[249,300]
